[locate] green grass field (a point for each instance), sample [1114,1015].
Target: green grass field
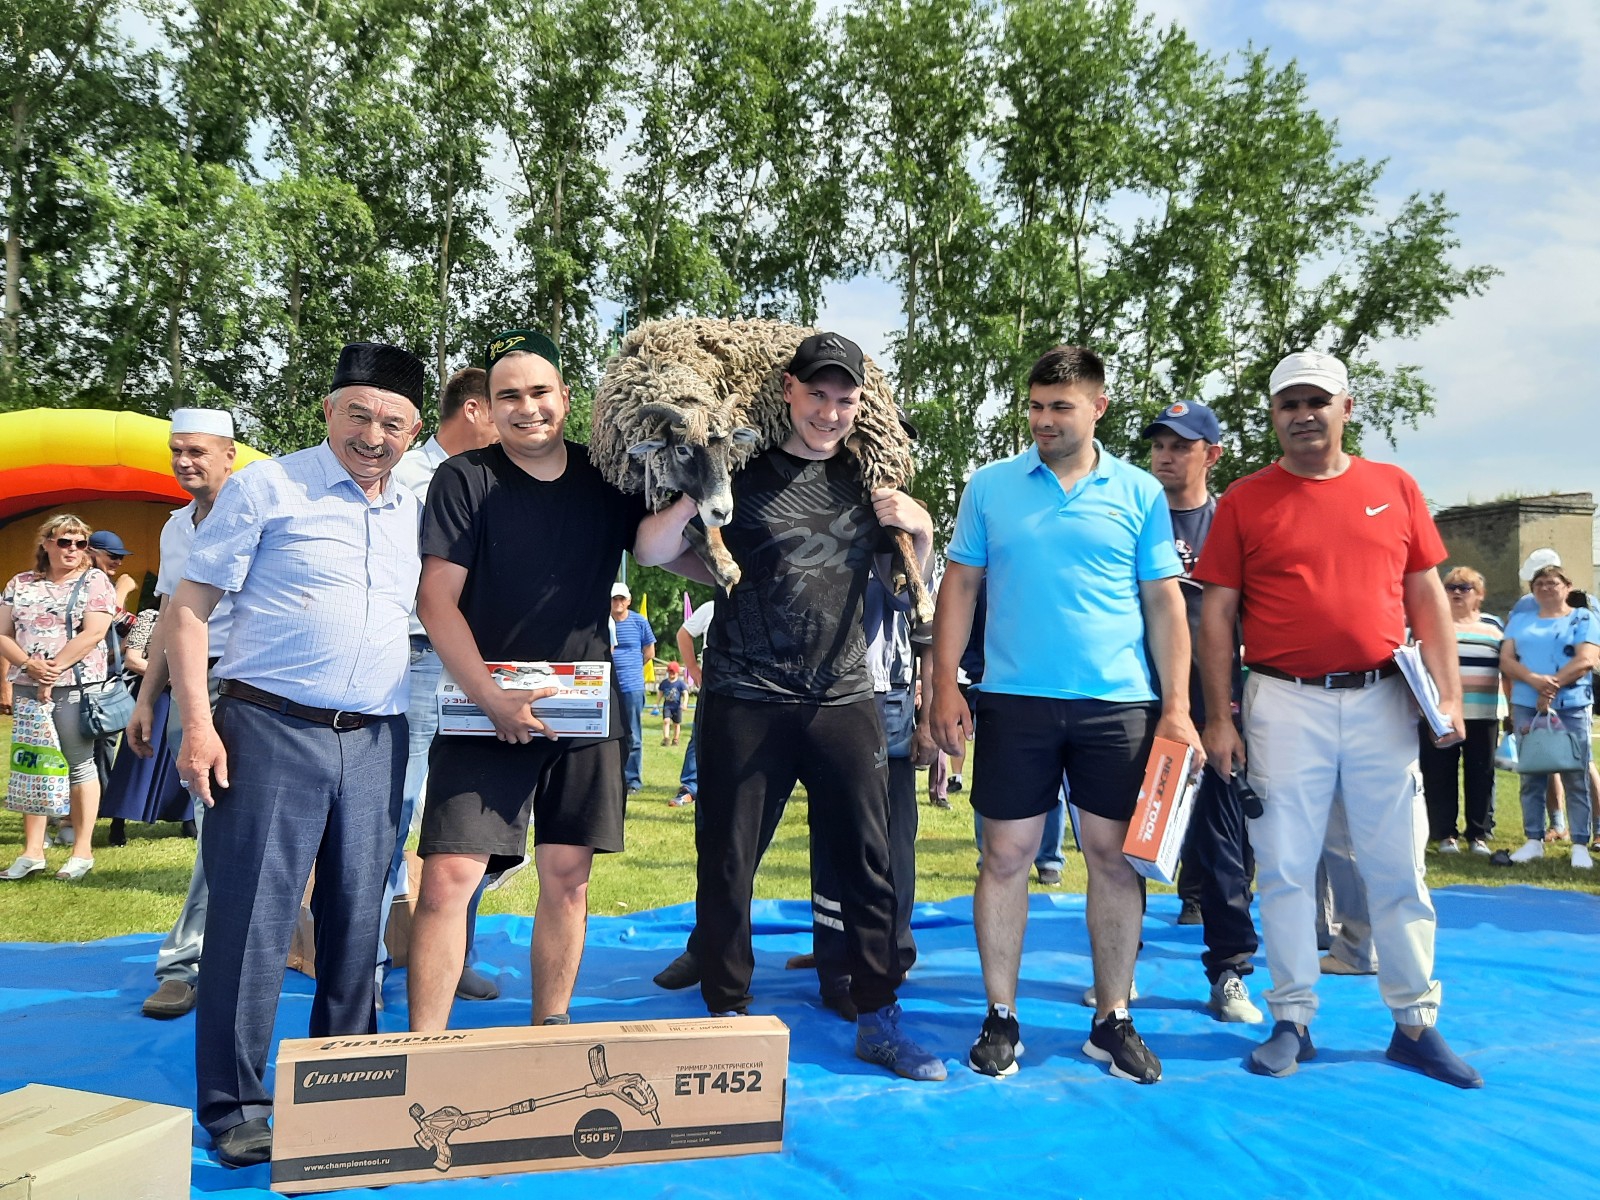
[139,887]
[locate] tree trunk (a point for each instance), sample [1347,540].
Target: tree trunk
[736,259]
[907,369]
[444,270]
[558,287]
[296,302]
[175,335]
[11,330]
[650,247]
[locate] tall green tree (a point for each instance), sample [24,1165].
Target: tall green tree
[68,85]
[921,79]
[559,80]
[1285,233]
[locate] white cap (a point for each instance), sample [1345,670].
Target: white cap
[621,589]
[1319,370]
[1538,561]
[203,420]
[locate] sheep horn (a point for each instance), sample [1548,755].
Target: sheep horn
[670,413]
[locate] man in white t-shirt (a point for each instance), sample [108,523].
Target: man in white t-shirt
[694,626]
[202,460]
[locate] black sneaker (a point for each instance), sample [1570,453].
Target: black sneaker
[955,784]
[680,973]
[1117,1042]
[1190,913]
[999,1045]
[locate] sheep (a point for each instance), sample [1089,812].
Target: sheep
[686,402]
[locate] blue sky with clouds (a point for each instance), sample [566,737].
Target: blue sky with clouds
[1496,103]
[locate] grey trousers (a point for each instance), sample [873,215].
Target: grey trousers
[299,795]
[1344,929]
[179,956]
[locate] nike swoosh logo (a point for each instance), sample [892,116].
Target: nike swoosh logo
[1372,512]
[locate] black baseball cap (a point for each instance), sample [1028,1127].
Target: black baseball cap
[828,350]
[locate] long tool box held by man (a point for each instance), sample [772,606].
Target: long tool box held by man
[580,706]
[404,1107]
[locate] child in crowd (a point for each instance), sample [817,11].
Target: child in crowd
[673,689]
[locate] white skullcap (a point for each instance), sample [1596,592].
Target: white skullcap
[203,420]
[1538,561]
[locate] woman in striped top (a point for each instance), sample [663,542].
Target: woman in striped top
[1478,639]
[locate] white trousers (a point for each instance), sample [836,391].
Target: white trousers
[1305,746]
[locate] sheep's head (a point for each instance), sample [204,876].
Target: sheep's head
[688,451]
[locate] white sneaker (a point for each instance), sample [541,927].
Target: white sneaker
[1529,850]
[1089,1001]
[1230,1001]
[1479,846]
[1449,846]
[1580,857]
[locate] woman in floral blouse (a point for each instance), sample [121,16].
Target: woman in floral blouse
[42,642]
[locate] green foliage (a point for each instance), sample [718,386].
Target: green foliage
[207,216]
[665,591]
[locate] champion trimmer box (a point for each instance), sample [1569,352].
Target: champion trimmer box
[404,1107]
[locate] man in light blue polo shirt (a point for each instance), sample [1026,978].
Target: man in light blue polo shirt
[1083,596]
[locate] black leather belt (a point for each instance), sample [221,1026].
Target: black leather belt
[1337,682]
[336,719]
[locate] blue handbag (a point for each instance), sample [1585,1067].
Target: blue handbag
[1505,757]
[1547,748]
[108,710]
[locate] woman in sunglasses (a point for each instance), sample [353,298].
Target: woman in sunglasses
[52,619]
[1478,638]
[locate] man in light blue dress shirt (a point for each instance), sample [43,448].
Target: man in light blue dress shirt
[305,760]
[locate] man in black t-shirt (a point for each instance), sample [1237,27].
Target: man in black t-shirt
[1186,442]
[520,542]
[786,695]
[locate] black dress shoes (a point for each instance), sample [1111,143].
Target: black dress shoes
[247,1144]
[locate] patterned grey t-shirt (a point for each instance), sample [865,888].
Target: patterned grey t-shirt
[804,537]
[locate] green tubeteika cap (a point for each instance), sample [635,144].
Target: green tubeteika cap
[514,340]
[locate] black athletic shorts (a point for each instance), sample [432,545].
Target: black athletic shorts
[1024,744]
[482,792]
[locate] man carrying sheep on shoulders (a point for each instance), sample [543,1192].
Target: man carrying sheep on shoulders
[786,696]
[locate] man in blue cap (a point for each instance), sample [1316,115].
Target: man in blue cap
[1185,443]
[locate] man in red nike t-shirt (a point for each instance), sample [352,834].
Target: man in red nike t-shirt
[1326,558]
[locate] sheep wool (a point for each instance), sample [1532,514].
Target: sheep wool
[721,375]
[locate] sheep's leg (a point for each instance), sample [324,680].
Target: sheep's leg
[713,551]
[905,569]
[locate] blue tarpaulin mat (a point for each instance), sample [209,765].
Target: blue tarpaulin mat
[1521,974]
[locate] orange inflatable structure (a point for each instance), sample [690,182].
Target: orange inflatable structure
[113,469]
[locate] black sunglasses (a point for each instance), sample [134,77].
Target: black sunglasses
[1459,587]
[72,543]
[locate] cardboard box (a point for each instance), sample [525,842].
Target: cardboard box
[60,1144]
[405,1107]
[579,709]
[396,934]
[1161,817]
